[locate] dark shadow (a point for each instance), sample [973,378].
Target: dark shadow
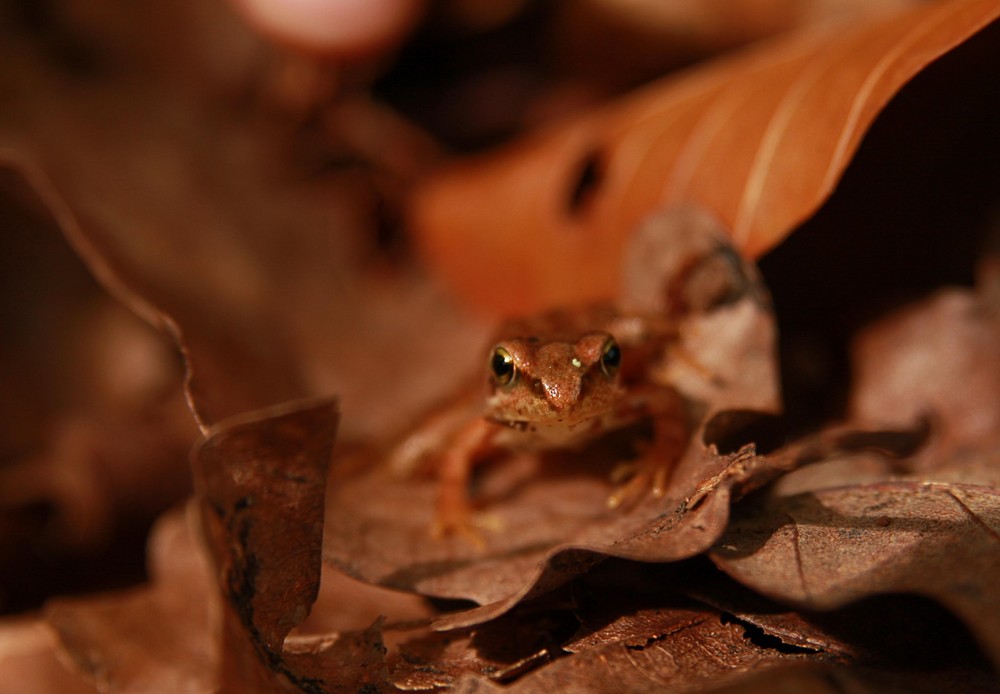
[910,215]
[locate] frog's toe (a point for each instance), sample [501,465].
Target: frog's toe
[661,475]
[648,477]
[465,526]
[623,471]
[629,492]
[443,529]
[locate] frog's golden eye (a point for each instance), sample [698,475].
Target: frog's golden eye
[502,366]
[611,357]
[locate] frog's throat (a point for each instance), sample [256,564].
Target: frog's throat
[557,427]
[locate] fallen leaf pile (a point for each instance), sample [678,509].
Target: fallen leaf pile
[235,279]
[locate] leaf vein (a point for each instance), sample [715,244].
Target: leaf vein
[974,516]
[863,95]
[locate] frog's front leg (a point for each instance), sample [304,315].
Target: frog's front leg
[651,473]
[454,511]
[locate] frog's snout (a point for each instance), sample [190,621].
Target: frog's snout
[562,393]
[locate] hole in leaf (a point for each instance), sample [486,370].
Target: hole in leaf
[760,638]
[588,180]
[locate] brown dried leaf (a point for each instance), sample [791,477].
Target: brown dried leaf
[620,603]
[680,264]
[159,637]
[654,650]
[748,473]
[760,140]
[261,481]
[925,634]
[825,549]
[610,600]
[349,662]
[547,525]
[552,524]
[502,650]
[937,358]
[165,637]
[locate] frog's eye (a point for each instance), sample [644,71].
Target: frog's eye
[502,366]
[611,357]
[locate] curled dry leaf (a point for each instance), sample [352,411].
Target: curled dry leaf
[680,264]
[748,472]
[608,600]
[825,549]
[261,480]
[759,139]
[619,608]
[548,526]
[650,651]
[501,650]
[551,523]
[270,472]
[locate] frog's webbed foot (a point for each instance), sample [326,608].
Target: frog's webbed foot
[650,474]
[463,528]
[463,523]
[647,476]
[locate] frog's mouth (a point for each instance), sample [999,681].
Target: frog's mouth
[556,434]
[560,431]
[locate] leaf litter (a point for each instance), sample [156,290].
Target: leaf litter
[541,534]
[553,513]
[858,529]
[261,478]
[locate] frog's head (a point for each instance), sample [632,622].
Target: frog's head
[553,382]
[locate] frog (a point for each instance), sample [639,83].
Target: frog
[558,380]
